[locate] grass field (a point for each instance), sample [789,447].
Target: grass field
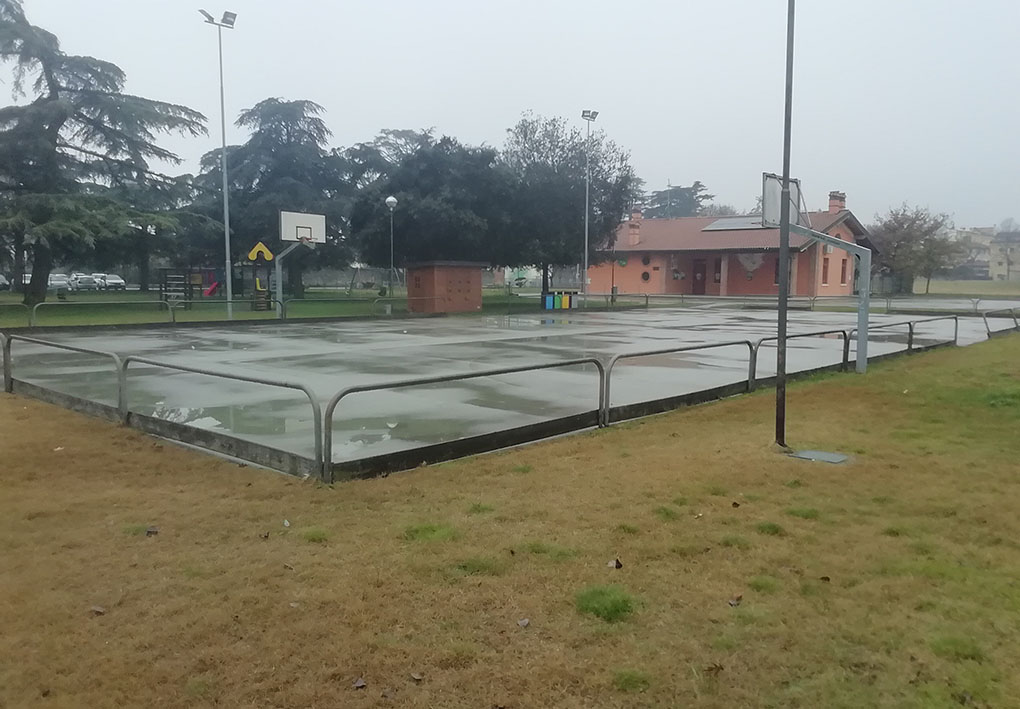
[1001,289]
[748,579]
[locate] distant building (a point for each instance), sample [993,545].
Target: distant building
[1004,257]
[977,244]
[728,256]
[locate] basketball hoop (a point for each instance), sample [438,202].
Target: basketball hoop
[307,241]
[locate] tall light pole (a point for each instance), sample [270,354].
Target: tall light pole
[391,202]
[229,18]
[784,237]
[589,117]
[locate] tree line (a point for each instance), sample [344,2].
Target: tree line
[82,180]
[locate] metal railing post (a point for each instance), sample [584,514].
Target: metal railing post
[8,370]
[122,395]
[910,336]
[752,367]
[846,351]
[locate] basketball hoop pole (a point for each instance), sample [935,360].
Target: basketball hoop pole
[279,272]
[784,238]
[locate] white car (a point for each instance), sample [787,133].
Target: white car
[81,281]
[58,282]
[110,281]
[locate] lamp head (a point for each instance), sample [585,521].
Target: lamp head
[391,202]
[229,18]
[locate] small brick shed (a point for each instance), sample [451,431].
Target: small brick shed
[444,287]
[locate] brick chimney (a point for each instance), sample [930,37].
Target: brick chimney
[634,228]
[837,202]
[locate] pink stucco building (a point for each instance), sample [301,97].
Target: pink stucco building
[728,256]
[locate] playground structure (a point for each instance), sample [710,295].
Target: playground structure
[183,285]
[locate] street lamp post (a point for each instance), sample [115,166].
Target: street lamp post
[229,18]
[391,202]
[589,117]
[784,238]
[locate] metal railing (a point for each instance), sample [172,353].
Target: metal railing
[34,319]
[189,305]
[7,345]
[607,394]
[287,303]
[911,326]
[753,376]
[327,456]
[1009,311]
[124,409]
[322,418]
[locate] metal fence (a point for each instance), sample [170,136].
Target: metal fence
[34,319]
[322,419]
[1010,312]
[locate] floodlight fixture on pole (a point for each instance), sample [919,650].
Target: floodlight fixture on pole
[589,117]
[229,18]
[391,202]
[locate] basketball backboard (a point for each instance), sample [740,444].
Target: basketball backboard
[772,199]
[296,226]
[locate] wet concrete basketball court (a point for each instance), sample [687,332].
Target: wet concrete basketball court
[328,357]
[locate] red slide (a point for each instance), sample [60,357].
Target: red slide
[211,290]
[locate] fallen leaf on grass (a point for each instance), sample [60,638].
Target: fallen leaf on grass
[360,683]
[416,677]
[58,449]
[288,566]
[286,523]
[524,622]
[97,610]
[824,579]
[735,601]
[264,535]
[151,531]
[736,505]
[614,564]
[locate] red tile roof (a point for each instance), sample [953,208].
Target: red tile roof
[688,234]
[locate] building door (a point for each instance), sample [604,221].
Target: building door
[700,268]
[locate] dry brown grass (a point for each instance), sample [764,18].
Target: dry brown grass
[207,612]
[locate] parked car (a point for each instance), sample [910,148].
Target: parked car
[82,281]
[4,283]
[58,282]
[109,281]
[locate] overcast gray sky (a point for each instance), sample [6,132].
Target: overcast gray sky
[895,100]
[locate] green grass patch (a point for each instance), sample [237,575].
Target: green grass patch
[666,514]
[480,509]
[680,501]
[524,468]
[315,535]
[610,603]
[803,512]
[957,648]
[135,530]
[894,531]
[716,491]
[734,541]
[770,528]
[631,681]
[794,484]
[763,584]
[627,529]
[430,533]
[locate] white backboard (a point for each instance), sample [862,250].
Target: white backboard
[295,226]
[772,199]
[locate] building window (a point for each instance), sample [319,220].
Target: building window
[718,270]
[825,271]
[842,273]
